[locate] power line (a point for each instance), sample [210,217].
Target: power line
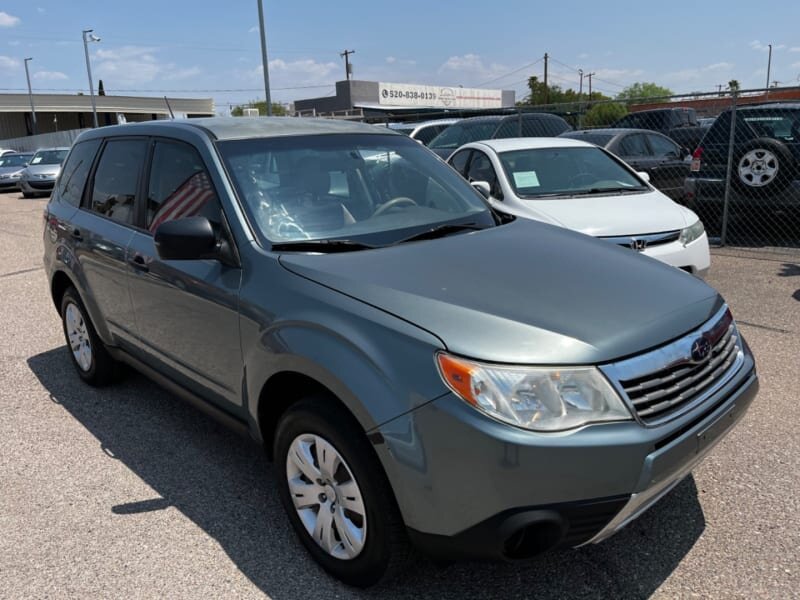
[511,72]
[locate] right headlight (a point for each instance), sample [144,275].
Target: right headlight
[534,398]
[691,233]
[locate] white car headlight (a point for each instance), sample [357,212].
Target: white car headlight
[691,233]
[535,398]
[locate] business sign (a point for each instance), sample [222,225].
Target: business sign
[434,96]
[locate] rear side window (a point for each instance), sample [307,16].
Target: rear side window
[76,170]
[116,179]
[662,146]
[179,186]
[426,134]
[634,146]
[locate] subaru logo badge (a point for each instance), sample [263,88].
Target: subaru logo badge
[638,245]
[701,349]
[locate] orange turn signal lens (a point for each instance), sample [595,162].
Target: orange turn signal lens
[458,375]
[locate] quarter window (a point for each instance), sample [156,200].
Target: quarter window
[116,179]
[179,186]
[76,170]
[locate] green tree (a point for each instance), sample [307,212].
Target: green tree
[602,115]
[643,89]
[733,85]
[554,94]
[278,110]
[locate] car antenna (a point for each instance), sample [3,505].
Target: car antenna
[171,114]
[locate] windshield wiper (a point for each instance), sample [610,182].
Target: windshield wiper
[609,190]
[441,231]
[327,246]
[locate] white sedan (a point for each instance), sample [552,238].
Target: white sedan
[580,186]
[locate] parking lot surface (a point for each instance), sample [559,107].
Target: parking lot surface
[129,492]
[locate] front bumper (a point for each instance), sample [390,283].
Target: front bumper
[34,186]
[694,258]
[470,486]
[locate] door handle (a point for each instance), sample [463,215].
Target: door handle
[138,262]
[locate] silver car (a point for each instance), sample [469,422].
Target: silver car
[40,175]
[11,167]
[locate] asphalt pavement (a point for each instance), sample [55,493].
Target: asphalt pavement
[127,492]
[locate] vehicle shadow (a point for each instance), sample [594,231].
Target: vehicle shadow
[224,485]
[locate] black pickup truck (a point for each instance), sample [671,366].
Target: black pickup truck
[678,123]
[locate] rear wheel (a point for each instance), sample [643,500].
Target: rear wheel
[764,166]
[336,494]
[88,353]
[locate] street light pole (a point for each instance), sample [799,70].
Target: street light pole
[264,60]
[30,96]
[769,66]
[88,36]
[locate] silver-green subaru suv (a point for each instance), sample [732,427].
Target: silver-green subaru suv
[424,371]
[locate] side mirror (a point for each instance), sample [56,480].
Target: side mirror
[644,175]
[191,238]
[483,188]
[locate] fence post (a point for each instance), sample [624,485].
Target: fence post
[728,171]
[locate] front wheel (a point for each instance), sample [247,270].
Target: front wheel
[88,353]
[336,494]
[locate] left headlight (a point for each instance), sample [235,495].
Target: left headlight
[691,233]
[535,398]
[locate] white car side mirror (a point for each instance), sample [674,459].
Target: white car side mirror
[483,188]
[644,175]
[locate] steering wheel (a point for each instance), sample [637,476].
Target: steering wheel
[581,179]
[394,202]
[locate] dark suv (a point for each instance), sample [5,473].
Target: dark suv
[475,129]
[765,166]
[421,369]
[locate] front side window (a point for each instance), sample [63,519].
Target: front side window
[634,146]
[566,172]
[662,147]
[116,179]
[377,189]
[481,169]
[179,186]
[459,161]
[76,170]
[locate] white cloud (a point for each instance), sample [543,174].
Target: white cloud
[795,65]
[253,29]
[583,56]
[50,76]
[7,20]
[8,64]
[40,10]
[295,73]
[794,49]
[133,65]
[756,45]
[392,60]
[698,73]
[303,68]
[471,69]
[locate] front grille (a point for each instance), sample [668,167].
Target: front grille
[668,381]
[41,185]
[647,240]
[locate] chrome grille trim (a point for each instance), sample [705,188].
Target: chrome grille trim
[665,383]
[651,239]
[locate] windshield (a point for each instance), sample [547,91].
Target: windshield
[374,189]
[49,157]
[14,160]
[464,132]
[566,171]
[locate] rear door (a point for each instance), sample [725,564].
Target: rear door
[634,150]
[102,230]
[187,311]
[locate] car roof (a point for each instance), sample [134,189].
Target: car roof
[225,128]
[50,149]
[771,106]
[511,144]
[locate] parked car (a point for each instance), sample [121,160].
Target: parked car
[664,161]
[40,175]
[423,131]
[420,367]
[11,167]
[5,151]
[580,186]
[679,123]
[496,126]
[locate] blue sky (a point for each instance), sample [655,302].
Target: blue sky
[177,47]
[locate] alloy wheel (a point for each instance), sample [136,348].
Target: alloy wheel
[758,167]
[78,335]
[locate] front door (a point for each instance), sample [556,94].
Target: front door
[187,311]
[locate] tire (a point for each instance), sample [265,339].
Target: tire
[378,546]
[28,195]
[763,167]
[88,353]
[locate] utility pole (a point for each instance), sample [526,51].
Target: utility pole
[348,69]
[546,88]
[264,61]
[589,75]
[580,85]
[769,66]
[88,36]
[30,97]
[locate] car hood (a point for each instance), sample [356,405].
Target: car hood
[43,169]
[10,170]
[612,215]
[524,293]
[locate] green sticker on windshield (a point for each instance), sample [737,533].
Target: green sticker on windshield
[526,179]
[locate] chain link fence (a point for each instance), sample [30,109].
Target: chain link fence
[733,157]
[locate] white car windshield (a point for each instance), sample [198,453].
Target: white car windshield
[371,188]
[537,172]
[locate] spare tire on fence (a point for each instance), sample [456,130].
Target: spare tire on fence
[763,166]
